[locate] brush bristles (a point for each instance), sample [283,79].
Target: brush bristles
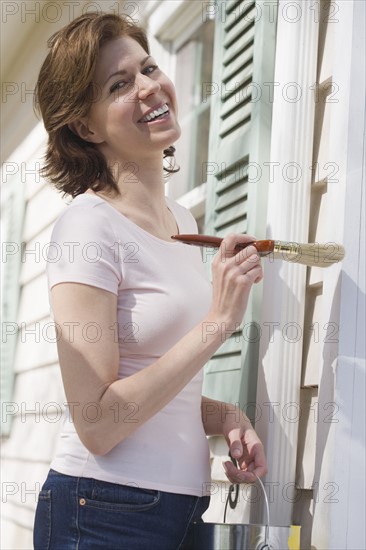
[312,254]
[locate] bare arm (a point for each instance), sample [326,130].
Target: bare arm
[220,418]
[90,369]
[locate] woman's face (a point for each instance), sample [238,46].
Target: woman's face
[130,89]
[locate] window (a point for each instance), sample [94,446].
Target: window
[194,87]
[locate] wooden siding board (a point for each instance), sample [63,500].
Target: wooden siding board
[34,256]
[313,338]
[38,434]
[42,210]
[42,386]
[36,346]
[308,419]
[12,211]
[31,310]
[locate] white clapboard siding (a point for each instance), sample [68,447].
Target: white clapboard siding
[239,139]
[36,345]
[25,459]
[43,386]
[306,414]
[314,336]
[34,255]
[34,303]
[42,210]
[12,222]
[38,433]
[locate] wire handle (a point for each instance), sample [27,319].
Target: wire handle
[266,545]
[266,532]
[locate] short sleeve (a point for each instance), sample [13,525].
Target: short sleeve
[83,250]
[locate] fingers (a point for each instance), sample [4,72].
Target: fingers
[236,447]
[227,248]
[252,462]
[233,274]
[260,463]
[235,475]
[247,259]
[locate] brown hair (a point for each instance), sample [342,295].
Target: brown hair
[64,92]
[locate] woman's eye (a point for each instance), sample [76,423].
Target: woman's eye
[150,69]
[121,85]
[128,84]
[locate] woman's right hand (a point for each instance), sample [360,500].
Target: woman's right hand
[233,274]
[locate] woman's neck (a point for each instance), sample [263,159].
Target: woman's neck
[142,197]
[142,186]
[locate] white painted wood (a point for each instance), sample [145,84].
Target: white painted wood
[36,345]
[34,256]
[40,390]
[31,309]
[314,336]
[194,200]
[37,432]
[308,419]
[42,210]
[338,524]
[287,219]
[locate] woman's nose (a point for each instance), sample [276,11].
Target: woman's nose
[146,86]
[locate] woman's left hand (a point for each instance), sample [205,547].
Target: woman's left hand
[247,449]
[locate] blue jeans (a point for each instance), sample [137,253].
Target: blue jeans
[77,513]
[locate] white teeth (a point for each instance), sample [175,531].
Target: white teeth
[154,114]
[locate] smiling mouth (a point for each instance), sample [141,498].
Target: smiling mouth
[156,115]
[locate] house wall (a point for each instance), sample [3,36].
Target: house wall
[302,378]
[34,408]
[325,494]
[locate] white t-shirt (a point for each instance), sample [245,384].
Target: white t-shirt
[163,291]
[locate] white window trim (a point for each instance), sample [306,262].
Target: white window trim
[173,23]
[195,200]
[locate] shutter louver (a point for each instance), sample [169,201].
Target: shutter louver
[239,138]
[232,193]
[237,68]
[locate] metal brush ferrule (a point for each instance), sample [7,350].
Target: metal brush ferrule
[287,247]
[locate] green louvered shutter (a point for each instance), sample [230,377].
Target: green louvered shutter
[237,176]
[12,211]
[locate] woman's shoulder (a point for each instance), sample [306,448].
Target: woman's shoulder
[84,215]
[85,207]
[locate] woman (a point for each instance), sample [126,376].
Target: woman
[133,308]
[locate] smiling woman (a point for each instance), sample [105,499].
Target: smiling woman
[67,88]
[125,117]
[132,467]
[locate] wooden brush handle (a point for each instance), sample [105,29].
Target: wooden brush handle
[263,247]
[310,254]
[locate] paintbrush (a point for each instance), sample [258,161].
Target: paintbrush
[310,254]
